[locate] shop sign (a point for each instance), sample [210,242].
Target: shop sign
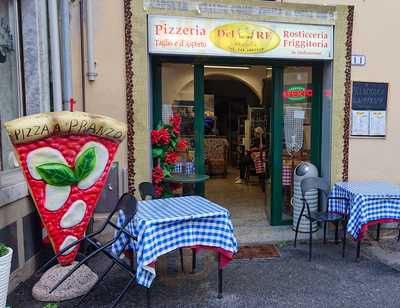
[297,93]
[219,37]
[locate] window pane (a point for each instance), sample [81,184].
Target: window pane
[297,98]
[178,99]
[9,87]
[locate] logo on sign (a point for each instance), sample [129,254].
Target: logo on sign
[297,93]
[244,38]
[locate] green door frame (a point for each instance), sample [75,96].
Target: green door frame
[276,145]
[199,124]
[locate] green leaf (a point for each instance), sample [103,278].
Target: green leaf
[85,163]
[56,174]
[157,152]
[166,172]
[173,143]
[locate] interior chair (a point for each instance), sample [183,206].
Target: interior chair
[317,183]
[251,171]
[128,204]
[146,190]
[216,150]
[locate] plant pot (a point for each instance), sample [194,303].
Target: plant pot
[5,266]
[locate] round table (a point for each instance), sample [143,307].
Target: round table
[189,179]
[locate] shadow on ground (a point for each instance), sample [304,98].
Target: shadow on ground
[286,281]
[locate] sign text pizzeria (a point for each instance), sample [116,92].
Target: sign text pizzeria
[200,36]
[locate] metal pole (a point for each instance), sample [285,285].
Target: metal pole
[66,54]
[55,55]
[89,36]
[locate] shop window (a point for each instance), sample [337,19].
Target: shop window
[10,79]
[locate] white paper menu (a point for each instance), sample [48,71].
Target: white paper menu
[377,123]
[360,123]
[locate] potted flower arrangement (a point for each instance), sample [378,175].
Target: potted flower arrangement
[166,143]
[5,266]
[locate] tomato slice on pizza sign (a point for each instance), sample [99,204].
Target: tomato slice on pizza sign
[66,157]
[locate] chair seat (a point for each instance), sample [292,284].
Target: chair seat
[326,216]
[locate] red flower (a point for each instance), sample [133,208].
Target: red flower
[158,190]
[171,158]
[158,175]
[164,136]
[176,121]
[155,136]
[182,144]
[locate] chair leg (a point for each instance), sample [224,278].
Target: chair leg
[358,250]
[344,238]
[181,255]
[126,288]
[324,232]
[310,244]
[219,277]
[378,232]
[193,260]
[337,233]
[298,225]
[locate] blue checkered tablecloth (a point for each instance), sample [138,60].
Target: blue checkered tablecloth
[190,168]
[369,202]
[163,225]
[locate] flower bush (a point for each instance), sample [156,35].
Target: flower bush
[165,142]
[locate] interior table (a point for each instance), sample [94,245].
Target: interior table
[187,179]
[163,225]
[369,203]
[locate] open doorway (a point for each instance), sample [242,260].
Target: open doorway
[236,100]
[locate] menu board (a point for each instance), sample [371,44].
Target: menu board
[369,104]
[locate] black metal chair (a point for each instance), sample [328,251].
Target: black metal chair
[146,190]
[317,183]
[128,204]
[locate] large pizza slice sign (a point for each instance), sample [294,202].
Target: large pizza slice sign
[66,158]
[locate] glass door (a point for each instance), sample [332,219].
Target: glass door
[178,89]
[296,131]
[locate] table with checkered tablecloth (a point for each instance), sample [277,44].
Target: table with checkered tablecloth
[163,225]
[369,202]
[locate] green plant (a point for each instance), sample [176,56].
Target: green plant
[3,250]
[51,305]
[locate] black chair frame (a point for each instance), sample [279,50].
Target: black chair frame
[127,203]
[324,188]
[146,189]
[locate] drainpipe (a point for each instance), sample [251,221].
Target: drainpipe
[55,55]
[89,36]
[66,54]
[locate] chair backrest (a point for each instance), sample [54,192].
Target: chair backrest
[314,183]
[146,189]
[128,204]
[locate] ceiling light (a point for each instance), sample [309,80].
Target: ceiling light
[228,67]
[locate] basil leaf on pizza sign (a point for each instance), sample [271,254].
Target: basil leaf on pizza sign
[85,163]
[56,174]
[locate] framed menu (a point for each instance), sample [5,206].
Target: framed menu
[369,105]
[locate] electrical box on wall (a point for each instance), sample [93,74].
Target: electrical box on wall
[110,195]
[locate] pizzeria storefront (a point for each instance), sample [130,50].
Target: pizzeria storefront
[226,71]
